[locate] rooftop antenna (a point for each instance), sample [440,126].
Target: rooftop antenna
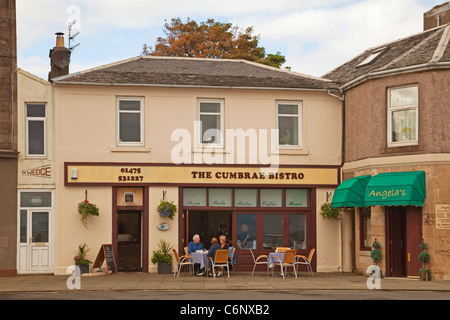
[72,36]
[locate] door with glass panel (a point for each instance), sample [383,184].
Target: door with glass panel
[35,234]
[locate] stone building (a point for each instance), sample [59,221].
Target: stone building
[8,138]
[397,151]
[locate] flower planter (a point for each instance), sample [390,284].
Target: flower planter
[164,267]
[84,268]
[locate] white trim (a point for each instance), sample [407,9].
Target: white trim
[51,233]
[390,110]
[299,116]
[199,144]
[141,112]
[44,120]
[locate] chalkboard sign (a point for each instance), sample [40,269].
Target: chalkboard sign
[106,253]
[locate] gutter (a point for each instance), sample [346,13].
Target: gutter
[186,86]
[416,68]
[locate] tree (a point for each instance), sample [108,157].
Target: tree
[211,39]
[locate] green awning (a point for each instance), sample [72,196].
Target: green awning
[350,193]
[396,189]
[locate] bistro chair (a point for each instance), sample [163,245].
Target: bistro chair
[299,259]
[220,260]
[232,258]
[185,260]
[282,249]
[257,261]
[288,261]
[186,251]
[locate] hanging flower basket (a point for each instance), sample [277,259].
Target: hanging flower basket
[328,212]
[167,209]
[86,209]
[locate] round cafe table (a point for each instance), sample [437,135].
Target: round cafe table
[200,258]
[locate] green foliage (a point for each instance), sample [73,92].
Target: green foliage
[211,39]
[164,253]
[424,258]
[328,212]
[81,253]
[376,253]
[86,209]
[167,209]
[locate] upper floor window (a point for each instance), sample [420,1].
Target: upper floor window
[211,119]
[130,121]
[403,116]
[36,128]
[289,124]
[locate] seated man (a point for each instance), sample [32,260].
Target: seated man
[195,244]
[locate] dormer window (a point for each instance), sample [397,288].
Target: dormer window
[374,55]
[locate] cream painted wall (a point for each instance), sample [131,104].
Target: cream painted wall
[155,235]
[328,238]
[91,112]
[86,127]
[69,230]
[32,89]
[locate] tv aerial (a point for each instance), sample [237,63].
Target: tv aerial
[72,36]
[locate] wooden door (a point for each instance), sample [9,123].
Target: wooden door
[396,241]
[413,238]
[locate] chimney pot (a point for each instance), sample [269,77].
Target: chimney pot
[60,40]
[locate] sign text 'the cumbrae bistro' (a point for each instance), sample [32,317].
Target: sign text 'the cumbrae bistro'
[247,175]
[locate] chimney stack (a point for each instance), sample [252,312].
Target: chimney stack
[59,58]
[437,16]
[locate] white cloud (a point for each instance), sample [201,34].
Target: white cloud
[314,36]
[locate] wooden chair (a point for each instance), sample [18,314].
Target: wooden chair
[306,261]
[282,249]
[220,260]
[186,252]
[288,261]
[257,261]
[185,260]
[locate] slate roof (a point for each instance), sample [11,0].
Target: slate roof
[430,47]
[195,72]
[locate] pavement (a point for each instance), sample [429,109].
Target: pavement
[237,281]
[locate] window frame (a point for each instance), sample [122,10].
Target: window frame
[44,120]
[142,122]
[200,144]
[364,213]
[299,116]
[390,111]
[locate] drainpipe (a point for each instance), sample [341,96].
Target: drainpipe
[341,240]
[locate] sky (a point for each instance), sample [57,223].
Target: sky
[314,36]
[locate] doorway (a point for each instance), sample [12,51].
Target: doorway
[208,224]
[35,224]
[396,241]
[129,236]
[403,235]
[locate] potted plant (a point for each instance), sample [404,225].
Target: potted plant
[328,212]
[167,209]
[163,257]
[424,258]
[85,209]
[376,253]
[80,258]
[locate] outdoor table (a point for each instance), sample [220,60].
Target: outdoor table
[200,258]
[271,259]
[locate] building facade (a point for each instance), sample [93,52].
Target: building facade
[397,134]
[8,138]
[242,149]
[36,176]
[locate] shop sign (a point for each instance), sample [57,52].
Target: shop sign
[41,172]
[443,216]
[79,174]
